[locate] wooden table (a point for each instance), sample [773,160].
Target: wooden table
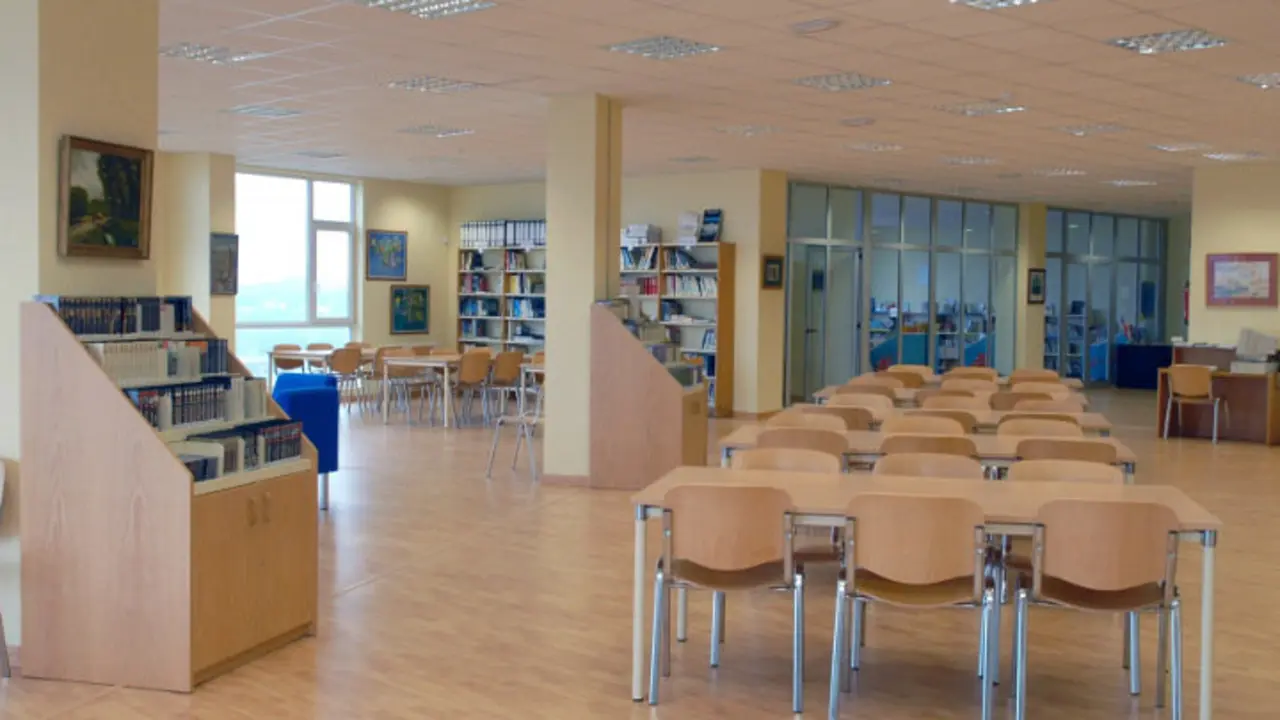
[906,397]
[1009,508]
[306,356]
[988,420]
[1250,408]
[443,362]
[994,451]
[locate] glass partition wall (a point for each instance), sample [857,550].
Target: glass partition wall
[880,278]
[1102,289]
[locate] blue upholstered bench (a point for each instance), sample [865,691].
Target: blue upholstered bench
[313,400]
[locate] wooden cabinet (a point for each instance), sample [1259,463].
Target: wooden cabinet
[287,561]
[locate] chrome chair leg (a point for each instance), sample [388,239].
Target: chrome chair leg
[493,450]
[855,634]
[724,618]
[1135,655]
[990,606]
[797,645]
[1168,413]
[1162,656]
[1175,658]
[527,430]
[1020,620]
[682,613]
[983,631]
[993,656]
[1124,660]
[666,632]
[839,648]
[717,607]
[1215,421]
[655,645]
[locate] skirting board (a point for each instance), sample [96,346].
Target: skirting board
[566,480]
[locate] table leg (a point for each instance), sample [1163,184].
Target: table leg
[637,610]
[448,397]
[271,370]
[1209,544]
[386,394]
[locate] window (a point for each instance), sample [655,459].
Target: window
[297,264]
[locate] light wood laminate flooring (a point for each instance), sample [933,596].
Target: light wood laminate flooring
[448,596]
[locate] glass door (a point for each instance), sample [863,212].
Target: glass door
[823,312]
[1098,359]
[841,314]
[1075,328]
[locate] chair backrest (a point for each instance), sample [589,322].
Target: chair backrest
[1007,400]
[922,424]
[539,357]
[908,378]
[1055,390]
[1066,471]
[318,346]
[801,419]
[1065,405]
[726,528]
[287,363]
[917,539]
[976,373]
[868,389]
[423,350]
[1073,418]
[861,397]
[1106,545]
[394,371]
[1038,427]
[1095,451]
[444,351]
[971,384]
[939,465]
[881,379]
[855,418]
[942,444]
[1191,381]
[827,441]
[506,367]
[354,344]
[1033,375]
[345,361]
[473,368]
[954,402]
[966,418]
[789,459]
[924,371]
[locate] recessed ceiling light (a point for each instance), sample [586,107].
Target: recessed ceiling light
[440,131]
[858,121]
[1130,183]
[264,111]
[208,53]
[663,47]
[817,25]
[873,147]
[320,154]
[994,4]
[1266,81]
[1092,129]
[429,9]
[839,82]
[746,130]
[1181,147]
[1234,156]
[691,159]
[1172,41]
[983,107]
[970,160]
[432,84]
[1060,172]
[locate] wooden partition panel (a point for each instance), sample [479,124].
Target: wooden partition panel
[1252,411]
[1218,357]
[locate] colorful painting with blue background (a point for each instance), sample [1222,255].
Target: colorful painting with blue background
[410,309]
[386,257]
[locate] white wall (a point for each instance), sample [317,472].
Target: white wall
[1177,273]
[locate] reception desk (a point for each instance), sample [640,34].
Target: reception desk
[1252,408]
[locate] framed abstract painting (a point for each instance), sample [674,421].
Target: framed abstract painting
[410,309]
[1240,280]
[386,255]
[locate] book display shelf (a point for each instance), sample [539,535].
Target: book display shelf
[502,284]
[687,284]
[169,506]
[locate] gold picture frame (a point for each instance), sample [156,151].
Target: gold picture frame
[104,199]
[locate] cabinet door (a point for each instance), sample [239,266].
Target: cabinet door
[224,529]
[286,562]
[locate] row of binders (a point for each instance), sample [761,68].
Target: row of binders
[121,315]
[645,258]
[230,399]
[691,285]
[526,284]
[160,360]
[527,308]
[472,261]
[475,284]
[240,449]
[482,307]
[504,233]
[677,259]
[648,286]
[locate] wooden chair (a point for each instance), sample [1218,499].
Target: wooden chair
[787,459]
[1055,390]
[718,538]
[344,364]
[972,373]
[1008,400]
[1073,418]
[1094,451]
[909,378]
[1065,471]
[942,444]
[972,385]
[826,441]
[877,379]
[966,418]
[910,551]
[867,389]
[938,465]
[404,381]
[1192,385]
[800,419]
[1038,427]
[923,371]
[469,381]
[922,425]
[876,402]
[423,350]
[1022,375]
[287,363]
[1101,556]
[855,418]
[314,365]
[926,394]
[1065,405]
[505,379]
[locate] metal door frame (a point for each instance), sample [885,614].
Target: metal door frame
[792,296]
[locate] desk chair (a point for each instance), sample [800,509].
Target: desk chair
[314,365]
[973,373]
[344,365]
[877,379]
[1022,375]
[807,438]
[930,465]
[1010,400]
[717,538]
[1193,385]
[1055,390]
[800,419]
[927,394]
[504,382]
[1039,427]
[971,385]
[952,400]
[924,371]
[967,421]
[786,459]
[1097,452]
[872,399]
[883,391]
[908,378]
[1064,405]
[945,444]
[916,423]
[286,363]
[855,418]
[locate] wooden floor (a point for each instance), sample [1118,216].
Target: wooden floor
[447,596]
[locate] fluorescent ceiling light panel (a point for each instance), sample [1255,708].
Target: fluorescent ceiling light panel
[1181,147]
[1234,156]
[1172,41]
[440,131]
[1092,129]
[663,47]
[970,160]
[840,82]
[746,130]
[812,27]
[208,53]
[1060,172]
[264,111]
[873,147]
[1265,81]
[858,121]
[433,84]
[320,154]
[1130,183]
[983,107]
[994,4]
[429,9]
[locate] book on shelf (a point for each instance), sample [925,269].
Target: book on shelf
[522,262]
[641,234]
[249,447]
[487,234]
[527,308]
[645,258]
[479,307]
[680,259]
[94,315]
[526,285]
[709,340]
[700,227]
[158,361]
[230,399]
[691,285]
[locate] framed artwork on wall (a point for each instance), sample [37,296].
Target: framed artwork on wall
[1240,280]
[104,200]
[386,255]
[224,264]
[1035,286]
[410,309]
[771,272]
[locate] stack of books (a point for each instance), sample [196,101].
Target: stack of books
[94,315]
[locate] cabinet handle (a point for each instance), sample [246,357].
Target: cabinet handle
[253,512]
[266,508]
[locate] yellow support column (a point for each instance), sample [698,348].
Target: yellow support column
[1032,218]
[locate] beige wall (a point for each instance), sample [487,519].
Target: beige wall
[1032,219]
[423,212]
[1235,209]
[1177,271]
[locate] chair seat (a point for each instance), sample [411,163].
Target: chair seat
[766,575]
[1060,592]
[950,592]
[1193,400]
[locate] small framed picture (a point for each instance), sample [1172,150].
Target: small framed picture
[224,264]
[386,255]
[771,271]
[1035,286]
[410,309]
[1247,279]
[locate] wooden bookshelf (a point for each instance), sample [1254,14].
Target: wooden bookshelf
[503,315]
[133,574]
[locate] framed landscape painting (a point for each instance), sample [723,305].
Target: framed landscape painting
[386,255]
[410,309]
[1242,280]
[224,264]
[104,207]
